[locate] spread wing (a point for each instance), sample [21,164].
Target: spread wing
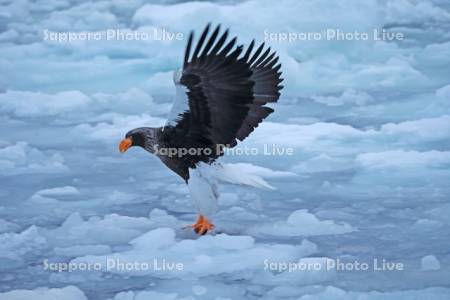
[226,94]
[266,76]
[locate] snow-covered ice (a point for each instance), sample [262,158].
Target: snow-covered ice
[367,182]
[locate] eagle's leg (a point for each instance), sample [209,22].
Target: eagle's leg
[203,191]
[202,225]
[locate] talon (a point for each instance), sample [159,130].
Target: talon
[202,225]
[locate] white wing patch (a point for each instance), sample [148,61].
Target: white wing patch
[180,104]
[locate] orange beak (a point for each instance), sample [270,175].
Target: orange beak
[125,144]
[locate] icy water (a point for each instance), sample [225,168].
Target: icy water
[362,206]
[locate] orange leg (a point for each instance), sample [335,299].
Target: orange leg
[202,226]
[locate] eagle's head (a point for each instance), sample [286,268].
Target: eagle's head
[144,137]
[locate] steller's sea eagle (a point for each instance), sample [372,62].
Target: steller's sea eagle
[222,93]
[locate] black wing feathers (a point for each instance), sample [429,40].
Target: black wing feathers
[266,87]
[200,42]
[188,49]
[226,90]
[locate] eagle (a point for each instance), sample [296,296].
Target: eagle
[222,94]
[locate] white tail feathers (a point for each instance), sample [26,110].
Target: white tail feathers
[242,174]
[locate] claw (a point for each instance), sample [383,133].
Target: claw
[202,225]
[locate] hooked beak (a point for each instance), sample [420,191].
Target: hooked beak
[125,144]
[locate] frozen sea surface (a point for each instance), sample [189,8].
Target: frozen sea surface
[369,122]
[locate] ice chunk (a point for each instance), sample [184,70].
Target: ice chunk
[303,223]
[429,263]
[154,239]
[21,158]
[199,290]
[44,293]
[145,295]
[30,104]
[349,96]
[79,250]
[112,229]
[400,159]
[6,226]
[334,293]
[15,246]
[209,255]
[59,191]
